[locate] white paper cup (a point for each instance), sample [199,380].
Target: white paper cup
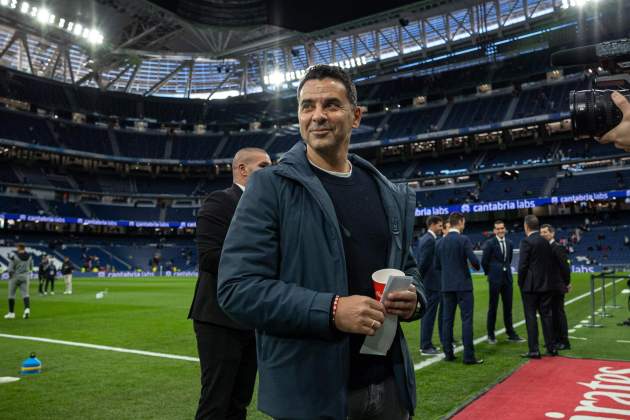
[380,278]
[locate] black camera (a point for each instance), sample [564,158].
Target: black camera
[593,113]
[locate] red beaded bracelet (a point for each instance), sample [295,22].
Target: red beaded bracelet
[334,307]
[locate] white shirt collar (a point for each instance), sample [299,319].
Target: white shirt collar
[453,230]
[552,241]
[432,234]
[242,187]
[501,239]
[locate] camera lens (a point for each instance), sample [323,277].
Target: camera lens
[593,113]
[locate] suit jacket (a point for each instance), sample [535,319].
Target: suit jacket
[454,252]
[494,266]
[425,257]
[213,221]
[535,265]
[561,268]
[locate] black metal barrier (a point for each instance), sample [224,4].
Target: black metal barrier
[604,276]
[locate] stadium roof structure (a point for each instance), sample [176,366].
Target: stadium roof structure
[215,48]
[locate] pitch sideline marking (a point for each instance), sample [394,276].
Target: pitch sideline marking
[417,366]
[99,347]
[478,340]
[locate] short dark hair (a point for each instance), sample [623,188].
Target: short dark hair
[499,222]
[324,71]
[434,220]
[532,222]
[548,227]
[456,217]
[20,247]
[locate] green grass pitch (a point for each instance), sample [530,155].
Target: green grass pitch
[150,315]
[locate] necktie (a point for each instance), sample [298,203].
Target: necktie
[502,242]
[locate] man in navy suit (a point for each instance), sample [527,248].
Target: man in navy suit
[496,262]
[452,256]
[425,257]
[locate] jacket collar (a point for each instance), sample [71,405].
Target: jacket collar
[294,165]
[236,189]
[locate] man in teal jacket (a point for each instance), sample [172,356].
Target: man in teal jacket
[297,264]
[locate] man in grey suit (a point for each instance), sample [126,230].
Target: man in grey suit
[425,257]
[497,265]
[453,254]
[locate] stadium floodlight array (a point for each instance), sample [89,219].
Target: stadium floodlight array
[45,17]
[577,3]
[277,78]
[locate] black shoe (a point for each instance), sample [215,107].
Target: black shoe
[449,358]
[531,355]
[551,353]
[431,351]
[563,347]
[473,362]
[516,339]
[492,340]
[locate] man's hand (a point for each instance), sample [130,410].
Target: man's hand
[402,303]
[567,288]
[359,315]
[620,135]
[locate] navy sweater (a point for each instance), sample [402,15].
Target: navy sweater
[364,228]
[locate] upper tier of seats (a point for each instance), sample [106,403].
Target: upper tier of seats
[399,123]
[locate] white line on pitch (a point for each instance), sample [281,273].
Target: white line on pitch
[623,341]
[458,349]
[99,347]
[578,338]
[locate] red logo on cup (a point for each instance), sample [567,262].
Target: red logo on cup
[380,279]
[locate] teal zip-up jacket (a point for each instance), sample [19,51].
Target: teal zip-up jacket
[282,263]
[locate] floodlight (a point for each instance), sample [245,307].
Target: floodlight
[43,15]
[13,4]
[62,22]
[24,8]
[51,19]
[4,3]
[276,78]
[78,29]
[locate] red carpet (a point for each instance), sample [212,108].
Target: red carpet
[557,388]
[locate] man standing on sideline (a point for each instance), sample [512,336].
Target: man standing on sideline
[425,257]
[497,265]
[227,349]
[41,273]
[454,252]
[297,266]
[20,268]
[561,272]
[50,274]
[66,271]
[535,282]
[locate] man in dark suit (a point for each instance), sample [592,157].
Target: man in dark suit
[561,271]
[425,257]
[227,350]
[536,284]
[496,262]
[453,253]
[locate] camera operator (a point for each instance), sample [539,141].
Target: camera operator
[620,135]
